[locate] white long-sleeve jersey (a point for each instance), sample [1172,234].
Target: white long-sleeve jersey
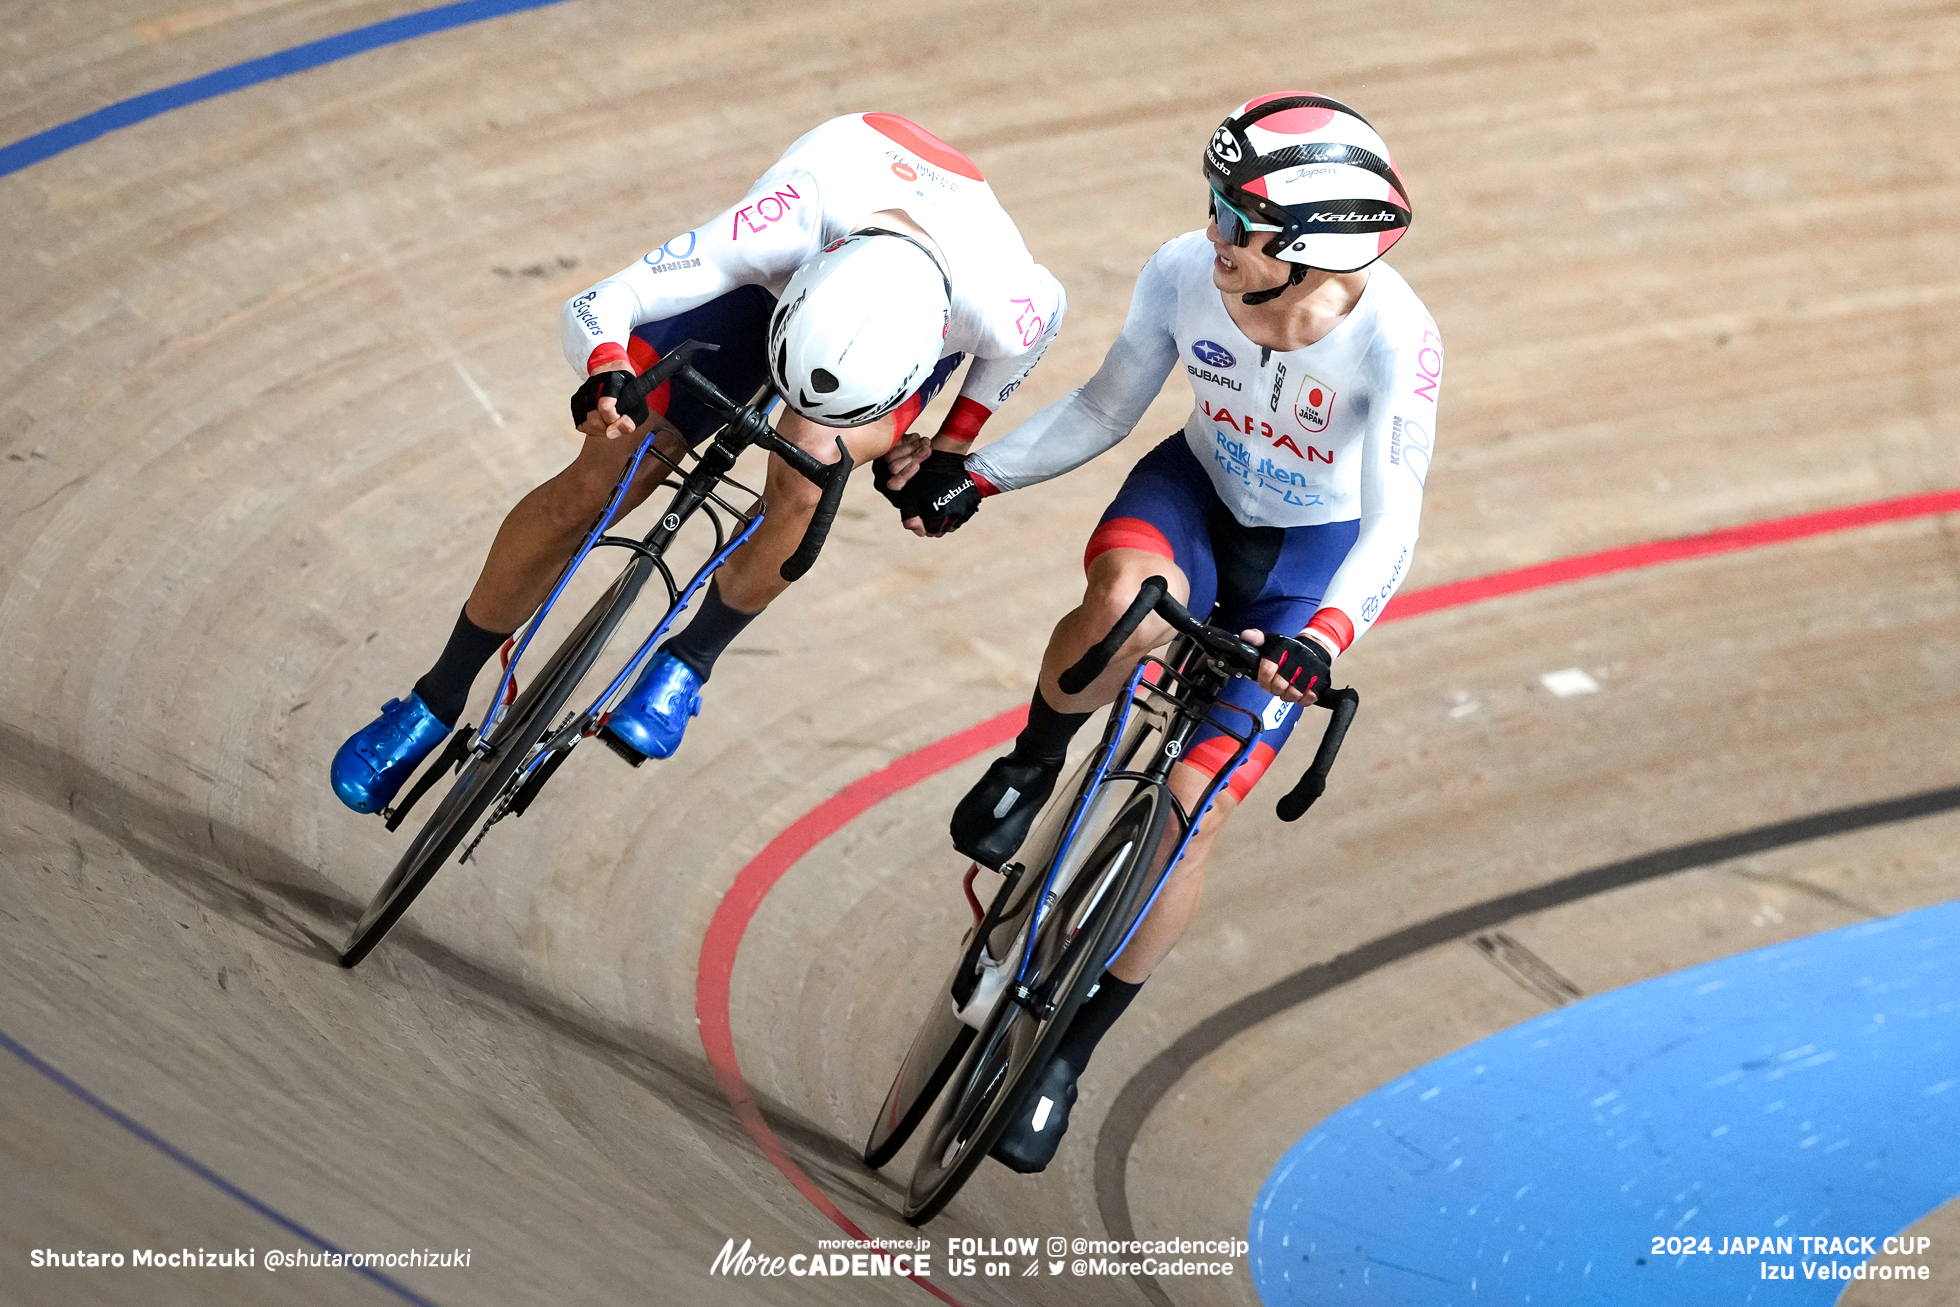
[1339,431]
[1005,309]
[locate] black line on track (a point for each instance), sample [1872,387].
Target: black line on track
[1140,1096]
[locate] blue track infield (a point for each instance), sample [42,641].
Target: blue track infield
[1811,1089]
[123,113]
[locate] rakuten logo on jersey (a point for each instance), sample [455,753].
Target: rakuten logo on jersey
[1212,354]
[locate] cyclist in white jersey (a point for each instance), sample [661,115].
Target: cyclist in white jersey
[894,261]
[1287,505]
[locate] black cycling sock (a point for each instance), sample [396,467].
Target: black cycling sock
[1048,732]
[1094,1018]
[446,688]
[711,631]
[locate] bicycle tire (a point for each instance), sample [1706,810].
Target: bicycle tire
[942,1037]
[485,775]
[929,1061]
[991,1086]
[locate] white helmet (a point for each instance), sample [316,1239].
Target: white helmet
[1311,171]
[859,328]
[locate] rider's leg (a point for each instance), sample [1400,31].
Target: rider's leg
[536,538]
[652,719]
[993,818]
[1156,526]
[1178,903]
[545,527]
[543,530]
[1269,585]
[525,558]
[752,577]
[1031,1138]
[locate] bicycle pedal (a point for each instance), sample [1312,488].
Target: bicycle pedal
[613,742]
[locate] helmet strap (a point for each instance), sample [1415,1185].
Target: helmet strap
[1298,275]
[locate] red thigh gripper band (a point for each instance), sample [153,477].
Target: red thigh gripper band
[1214,753]
[643,356]
[1126,533]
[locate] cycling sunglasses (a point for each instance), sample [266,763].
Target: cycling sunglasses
[1234,224]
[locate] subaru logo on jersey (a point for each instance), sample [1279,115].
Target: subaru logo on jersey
[1314,405]
[1212,354]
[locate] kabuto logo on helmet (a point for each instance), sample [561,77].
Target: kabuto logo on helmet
[1224,148]
[1389,216]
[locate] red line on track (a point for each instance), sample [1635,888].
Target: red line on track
[716,970]
[1563,570]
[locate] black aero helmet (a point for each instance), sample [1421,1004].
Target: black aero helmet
[1313,173]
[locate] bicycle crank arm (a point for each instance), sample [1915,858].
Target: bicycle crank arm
[535,781]
[452,755]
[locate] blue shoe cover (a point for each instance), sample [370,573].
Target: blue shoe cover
[376,759]
[653,716]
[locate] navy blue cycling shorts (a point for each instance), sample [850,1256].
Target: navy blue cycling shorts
[739,323]
[1264,577]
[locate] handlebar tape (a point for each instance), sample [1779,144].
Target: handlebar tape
[814,535]
[635,392]
[1313,782]
[1076,679]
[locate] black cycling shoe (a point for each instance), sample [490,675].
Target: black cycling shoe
[1031,1139]
[995,815]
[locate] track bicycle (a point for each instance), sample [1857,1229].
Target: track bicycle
[500,768]
[1089,872]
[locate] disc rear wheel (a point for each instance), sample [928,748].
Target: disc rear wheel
[1075,937]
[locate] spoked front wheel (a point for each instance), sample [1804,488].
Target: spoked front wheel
[488,773]
[1076,936]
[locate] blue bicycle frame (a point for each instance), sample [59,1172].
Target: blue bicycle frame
[1101,775]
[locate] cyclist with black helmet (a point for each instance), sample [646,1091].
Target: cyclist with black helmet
[854,276]
[1286,506]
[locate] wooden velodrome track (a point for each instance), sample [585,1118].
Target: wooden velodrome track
[276,363]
